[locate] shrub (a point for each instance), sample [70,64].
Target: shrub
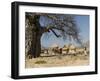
[40,62]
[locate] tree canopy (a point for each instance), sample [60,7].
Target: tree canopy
[61,25]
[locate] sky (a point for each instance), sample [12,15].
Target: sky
[82,23]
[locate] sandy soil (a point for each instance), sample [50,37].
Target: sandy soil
[57,60]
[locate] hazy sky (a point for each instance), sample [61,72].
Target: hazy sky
[83,24]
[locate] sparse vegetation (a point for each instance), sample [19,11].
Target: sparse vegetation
[40,62]
[41,52]
[54,61]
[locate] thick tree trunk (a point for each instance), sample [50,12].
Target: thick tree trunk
[35,48]
[38,46]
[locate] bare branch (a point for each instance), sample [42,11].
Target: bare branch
[55,33]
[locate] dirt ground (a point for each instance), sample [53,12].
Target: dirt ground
[57,60]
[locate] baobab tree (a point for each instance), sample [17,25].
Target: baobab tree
[61,25]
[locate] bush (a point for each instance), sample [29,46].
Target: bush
[40,62]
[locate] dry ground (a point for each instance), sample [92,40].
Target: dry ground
[57,60]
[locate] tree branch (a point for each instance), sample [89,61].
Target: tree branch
[55,33]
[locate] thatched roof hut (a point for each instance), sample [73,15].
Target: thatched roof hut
[65,47]
[71,46]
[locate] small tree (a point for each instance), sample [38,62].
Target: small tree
[60,25]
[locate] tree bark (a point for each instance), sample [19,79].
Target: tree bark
[38,46]
[35,48]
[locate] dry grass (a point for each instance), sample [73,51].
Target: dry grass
[57,60]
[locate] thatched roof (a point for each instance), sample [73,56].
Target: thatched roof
[71,46]
[65,47]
